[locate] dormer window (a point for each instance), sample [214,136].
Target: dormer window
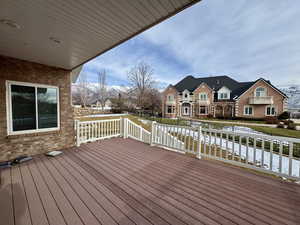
[260,92]
[186,95]
[223,95]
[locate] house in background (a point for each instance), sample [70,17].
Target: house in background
[41,43]
[223,97]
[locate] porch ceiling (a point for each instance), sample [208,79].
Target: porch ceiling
[66,33]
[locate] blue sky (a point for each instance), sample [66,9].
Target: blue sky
[240,38]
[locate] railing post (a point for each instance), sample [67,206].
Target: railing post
[199,143]
[125,128]
[152,137]
[77,133]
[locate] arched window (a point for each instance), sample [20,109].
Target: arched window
[260,92]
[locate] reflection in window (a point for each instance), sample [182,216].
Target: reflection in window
[23,108]
[47,107]
[260,92]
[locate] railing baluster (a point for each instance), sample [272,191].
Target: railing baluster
[240,148]
[271,155]
[226,152]
[254,151]
[209,146]
[280,156]
[247,150]
[215,147]
[233,145]
[290,158]
[262,153]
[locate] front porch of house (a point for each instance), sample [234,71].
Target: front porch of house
[123,181]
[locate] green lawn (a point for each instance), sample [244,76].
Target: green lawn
[232,121]
[277,131]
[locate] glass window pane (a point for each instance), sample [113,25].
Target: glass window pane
[23,108]
[47,107]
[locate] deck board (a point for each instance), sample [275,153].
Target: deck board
[122,181]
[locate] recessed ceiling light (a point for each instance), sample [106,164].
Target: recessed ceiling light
[55,40]
[10,23]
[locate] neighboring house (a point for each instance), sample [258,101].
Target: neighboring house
[222,96]
[43,45]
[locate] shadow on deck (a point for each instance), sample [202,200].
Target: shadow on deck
[122,181]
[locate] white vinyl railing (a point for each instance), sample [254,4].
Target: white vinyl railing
[137,132]
[272,154]
[87,131]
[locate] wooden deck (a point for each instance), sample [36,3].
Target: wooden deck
[122,181]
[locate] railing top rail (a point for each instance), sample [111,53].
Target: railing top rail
[93,121]
[258,136]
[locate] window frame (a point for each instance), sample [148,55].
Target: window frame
[206,110]
[248,106]
[270,106]
[265,92]
[203,94]
[222,94]
[9,119]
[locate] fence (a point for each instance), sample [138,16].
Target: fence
[272,154]
[88,131]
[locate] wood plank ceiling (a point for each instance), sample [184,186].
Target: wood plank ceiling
[67,33]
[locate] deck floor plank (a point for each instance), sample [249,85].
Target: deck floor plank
[202,215]
[6,198]
[186,189]
[126,182]
[78,204]
[21,207]
[67,210]
[54,215]
[36,207]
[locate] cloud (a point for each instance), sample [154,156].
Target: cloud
[246,40]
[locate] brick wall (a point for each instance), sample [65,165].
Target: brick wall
[15,145]
[168,91]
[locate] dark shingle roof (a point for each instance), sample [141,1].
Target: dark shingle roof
[190,83]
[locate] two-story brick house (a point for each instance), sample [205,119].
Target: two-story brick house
[222,96]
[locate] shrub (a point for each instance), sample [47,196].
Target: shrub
[291,126]
[284,116]
[271,120]
[280,125]
[287,122]
[210,116]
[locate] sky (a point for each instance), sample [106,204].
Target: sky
[239,38]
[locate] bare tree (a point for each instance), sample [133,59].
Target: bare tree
[83,90]
[141,79]
[102,91]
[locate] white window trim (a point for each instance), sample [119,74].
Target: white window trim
[203,93]
[265,91]
[270,111]
[9,108]
[172,98]
[206,110]
[244,112]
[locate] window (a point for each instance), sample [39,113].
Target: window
[170,109]
[248,110]
[203,110]
[203,96]
[223,95]
[270,111]
[32,108]
[170,98]
[260,92]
